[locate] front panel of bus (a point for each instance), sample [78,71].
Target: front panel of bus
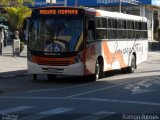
[56,41]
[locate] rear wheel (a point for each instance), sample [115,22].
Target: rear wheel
[133,65]
[124,70]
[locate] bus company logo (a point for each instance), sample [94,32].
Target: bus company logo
[56,48]
[59,12]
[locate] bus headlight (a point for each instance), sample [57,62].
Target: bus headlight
[78,58]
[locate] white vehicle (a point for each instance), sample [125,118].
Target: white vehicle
[85,42]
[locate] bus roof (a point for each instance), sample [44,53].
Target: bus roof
[116,15]
[101,13]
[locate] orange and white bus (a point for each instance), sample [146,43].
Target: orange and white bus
[84,42]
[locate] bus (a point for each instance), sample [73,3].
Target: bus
[75,41]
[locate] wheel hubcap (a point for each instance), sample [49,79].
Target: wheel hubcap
[133,65]
[97,70]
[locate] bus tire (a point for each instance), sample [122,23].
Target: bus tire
[131,68]
[124,70]
[98,70]
[51,77]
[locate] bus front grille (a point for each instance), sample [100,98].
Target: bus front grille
[53,61]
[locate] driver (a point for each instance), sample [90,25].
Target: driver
[48,47]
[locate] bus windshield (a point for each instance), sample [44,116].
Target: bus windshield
[56,35]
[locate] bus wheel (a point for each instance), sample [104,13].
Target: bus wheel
[98,71]
[133,65]
[124,70]
[51,77]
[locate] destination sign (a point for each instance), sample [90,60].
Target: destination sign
[59,12]
[50,12]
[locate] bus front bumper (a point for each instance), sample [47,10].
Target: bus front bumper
[73,69]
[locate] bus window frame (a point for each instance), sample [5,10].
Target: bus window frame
[102,30]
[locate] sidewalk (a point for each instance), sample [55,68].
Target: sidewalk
[8,51]
[13,65]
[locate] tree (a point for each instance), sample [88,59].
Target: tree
[15,2]
[16,12]
[16,16]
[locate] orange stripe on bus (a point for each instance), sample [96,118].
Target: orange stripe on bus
[111,57]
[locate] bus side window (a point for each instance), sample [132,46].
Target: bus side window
[90,30]
[98,22]
[130,25]
[112,23]
[144,30]
[138,28]
[101,28]
[144,26]
[122,24]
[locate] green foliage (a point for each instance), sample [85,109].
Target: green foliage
[16,12]
[15,3]
[16,16]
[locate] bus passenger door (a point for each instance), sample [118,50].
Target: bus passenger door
[90,48]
